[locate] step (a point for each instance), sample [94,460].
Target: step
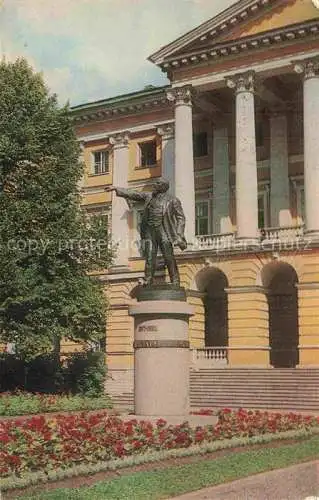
[207,403]
[253,377]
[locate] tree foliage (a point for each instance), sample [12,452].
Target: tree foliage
[48,245]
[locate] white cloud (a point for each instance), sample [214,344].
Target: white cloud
[76,41]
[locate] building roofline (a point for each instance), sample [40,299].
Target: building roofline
[146,92]
[286,34]
[233,10]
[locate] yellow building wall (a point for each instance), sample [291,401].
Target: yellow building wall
[248,316]
[286,13]
[197,322]
[91,179]
[119,327]
[248,327]
[96,198]
[308,299]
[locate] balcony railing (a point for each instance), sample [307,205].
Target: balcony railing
[214,241]
[281,234]
[267,236]
[210,356]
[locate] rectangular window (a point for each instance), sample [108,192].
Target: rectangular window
[301,204]
[138,218]
[100,162]
[202,218]
[105,218]
[136,231]
[260,134]
[104,212]
[263,209]
[147,153]
[200,144]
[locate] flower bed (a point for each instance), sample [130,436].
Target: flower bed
[26,403]
[44,444]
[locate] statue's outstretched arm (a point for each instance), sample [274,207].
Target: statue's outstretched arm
[128,193]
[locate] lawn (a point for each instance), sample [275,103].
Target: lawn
[26,403]
[165,483]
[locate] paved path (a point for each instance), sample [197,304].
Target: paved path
[299,482]
[193,420]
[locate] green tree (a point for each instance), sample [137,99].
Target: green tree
[48,245]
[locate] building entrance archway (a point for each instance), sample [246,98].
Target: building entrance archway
[213,283]
[280,280]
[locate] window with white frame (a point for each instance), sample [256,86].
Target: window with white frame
[101,162]
[135,234]
[103,211]
[301,213]
[263,207]
[202,218]
[147,153]
[138,217]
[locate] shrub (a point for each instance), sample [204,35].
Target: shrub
[12,373]
[86,372]
[82,373]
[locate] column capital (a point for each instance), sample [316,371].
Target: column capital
[120,140]
[180,95]
[309,68]
[166,131]
[243,82]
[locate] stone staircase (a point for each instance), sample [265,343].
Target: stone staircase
[280,389]
[272,389]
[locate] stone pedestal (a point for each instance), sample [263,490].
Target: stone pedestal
[161,351]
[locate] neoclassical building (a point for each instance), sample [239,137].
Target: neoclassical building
[237,134]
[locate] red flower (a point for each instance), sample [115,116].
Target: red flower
[161,422]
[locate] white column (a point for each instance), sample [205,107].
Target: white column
[221,191]
[120,226]
[280,214]
[184,158]
[246,158]
[310,70]
[168,154]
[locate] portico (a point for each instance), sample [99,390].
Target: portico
[250,92]
[256,58]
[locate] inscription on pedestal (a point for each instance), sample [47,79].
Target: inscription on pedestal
[153,344]
[147,329]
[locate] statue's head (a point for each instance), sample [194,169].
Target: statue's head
[161,185]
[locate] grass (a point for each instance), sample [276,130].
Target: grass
[165,483]
[31,404]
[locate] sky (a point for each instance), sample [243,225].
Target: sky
[95,49]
